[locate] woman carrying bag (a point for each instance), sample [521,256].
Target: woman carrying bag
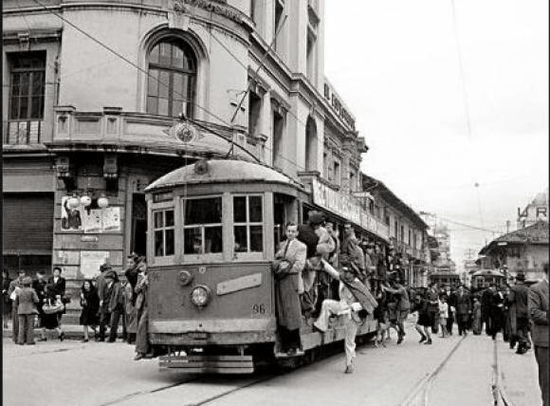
[52,307]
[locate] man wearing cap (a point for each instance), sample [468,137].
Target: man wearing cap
[518,301]
[540,317]
[15,287]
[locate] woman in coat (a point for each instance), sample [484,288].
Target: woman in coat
[51,321]
[89,300]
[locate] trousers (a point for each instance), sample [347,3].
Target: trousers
[26,329]
[541,355]
[332,307]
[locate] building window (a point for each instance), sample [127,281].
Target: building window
[278,129]
[396,226]
[248,223]
[279,18]
[311,145]
[254,113]
[26,97]
[311,56]
[414,241]
[352,185]
[202,226]
[387,220]
[164,232]
[336,172]
[409,237]
[172,79]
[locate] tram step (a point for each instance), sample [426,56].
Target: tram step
[224,364]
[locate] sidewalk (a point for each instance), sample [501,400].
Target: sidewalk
[72,332]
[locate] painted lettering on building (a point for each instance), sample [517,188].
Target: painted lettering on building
[338,107]
[348,207]
[219,7]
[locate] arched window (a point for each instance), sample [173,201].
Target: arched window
[172,78]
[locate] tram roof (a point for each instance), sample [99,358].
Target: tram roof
[221,171]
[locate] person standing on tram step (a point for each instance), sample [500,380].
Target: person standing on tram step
[59,285]
[351,253]
[15,287]
[370,264]
[540,318]
[319,246]
[333,258]
[518,300]
[350,308]
[289,263]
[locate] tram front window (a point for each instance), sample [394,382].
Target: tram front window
[164,233]
[202,230]
[248,223]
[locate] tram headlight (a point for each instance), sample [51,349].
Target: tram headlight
[200,295]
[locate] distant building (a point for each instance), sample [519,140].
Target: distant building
[523,250]
[534,211]
[407,231]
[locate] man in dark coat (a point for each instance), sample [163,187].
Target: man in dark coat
[518,300]
[496,311]
[463,310]
[540,317]
[104,293]
[486,301]
[39,285]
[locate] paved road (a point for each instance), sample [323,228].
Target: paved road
[94,374]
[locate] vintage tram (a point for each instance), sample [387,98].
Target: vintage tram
[213,227]
[482,278]
[445,278]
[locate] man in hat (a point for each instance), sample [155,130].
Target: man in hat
[351,253]
[463,305]
[538,311]
[103,291]
[518,301]
[15,287]
[319,246]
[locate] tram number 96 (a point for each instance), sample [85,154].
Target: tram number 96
[258,309]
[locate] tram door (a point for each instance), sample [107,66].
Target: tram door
[284,210]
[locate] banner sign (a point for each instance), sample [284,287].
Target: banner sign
[346,206]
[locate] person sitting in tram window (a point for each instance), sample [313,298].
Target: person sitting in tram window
[290,261]
[319,246]
[351,252]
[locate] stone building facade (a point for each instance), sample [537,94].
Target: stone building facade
[92,96]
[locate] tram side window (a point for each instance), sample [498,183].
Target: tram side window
[164,233]
[248,223]
[202,230]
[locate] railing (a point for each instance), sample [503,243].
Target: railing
[22,132]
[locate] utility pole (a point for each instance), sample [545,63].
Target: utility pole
[470,253]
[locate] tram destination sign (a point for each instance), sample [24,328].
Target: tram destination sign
[346,206]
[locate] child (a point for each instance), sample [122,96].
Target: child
[25,303]
[443,315]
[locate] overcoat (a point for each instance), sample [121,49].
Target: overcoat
[287,298]
[538,310]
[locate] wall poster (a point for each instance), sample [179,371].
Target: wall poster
[89,220]
[90,261]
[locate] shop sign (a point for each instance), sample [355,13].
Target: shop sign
[347,207]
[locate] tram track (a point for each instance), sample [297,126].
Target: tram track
[420,394]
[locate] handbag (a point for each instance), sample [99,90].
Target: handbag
[57,307]
[66,298]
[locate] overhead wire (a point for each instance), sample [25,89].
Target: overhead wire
[144,71]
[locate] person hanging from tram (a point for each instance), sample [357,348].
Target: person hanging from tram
[287,267]
[319,245]
[354,304]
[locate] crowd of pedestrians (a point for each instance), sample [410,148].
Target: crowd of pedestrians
[106,303]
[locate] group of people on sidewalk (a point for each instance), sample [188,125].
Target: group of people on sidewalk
[106,301]
[24,299]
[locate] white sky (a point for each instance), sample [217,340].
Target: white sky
[395,63]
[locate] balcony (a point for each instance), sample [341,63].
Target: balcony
[139,132]
[22,132]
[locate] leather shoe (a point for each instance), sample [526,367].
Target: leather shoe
[139,356]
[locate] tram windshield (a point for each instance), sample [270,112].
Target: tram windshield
[248,223]
[202,225]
